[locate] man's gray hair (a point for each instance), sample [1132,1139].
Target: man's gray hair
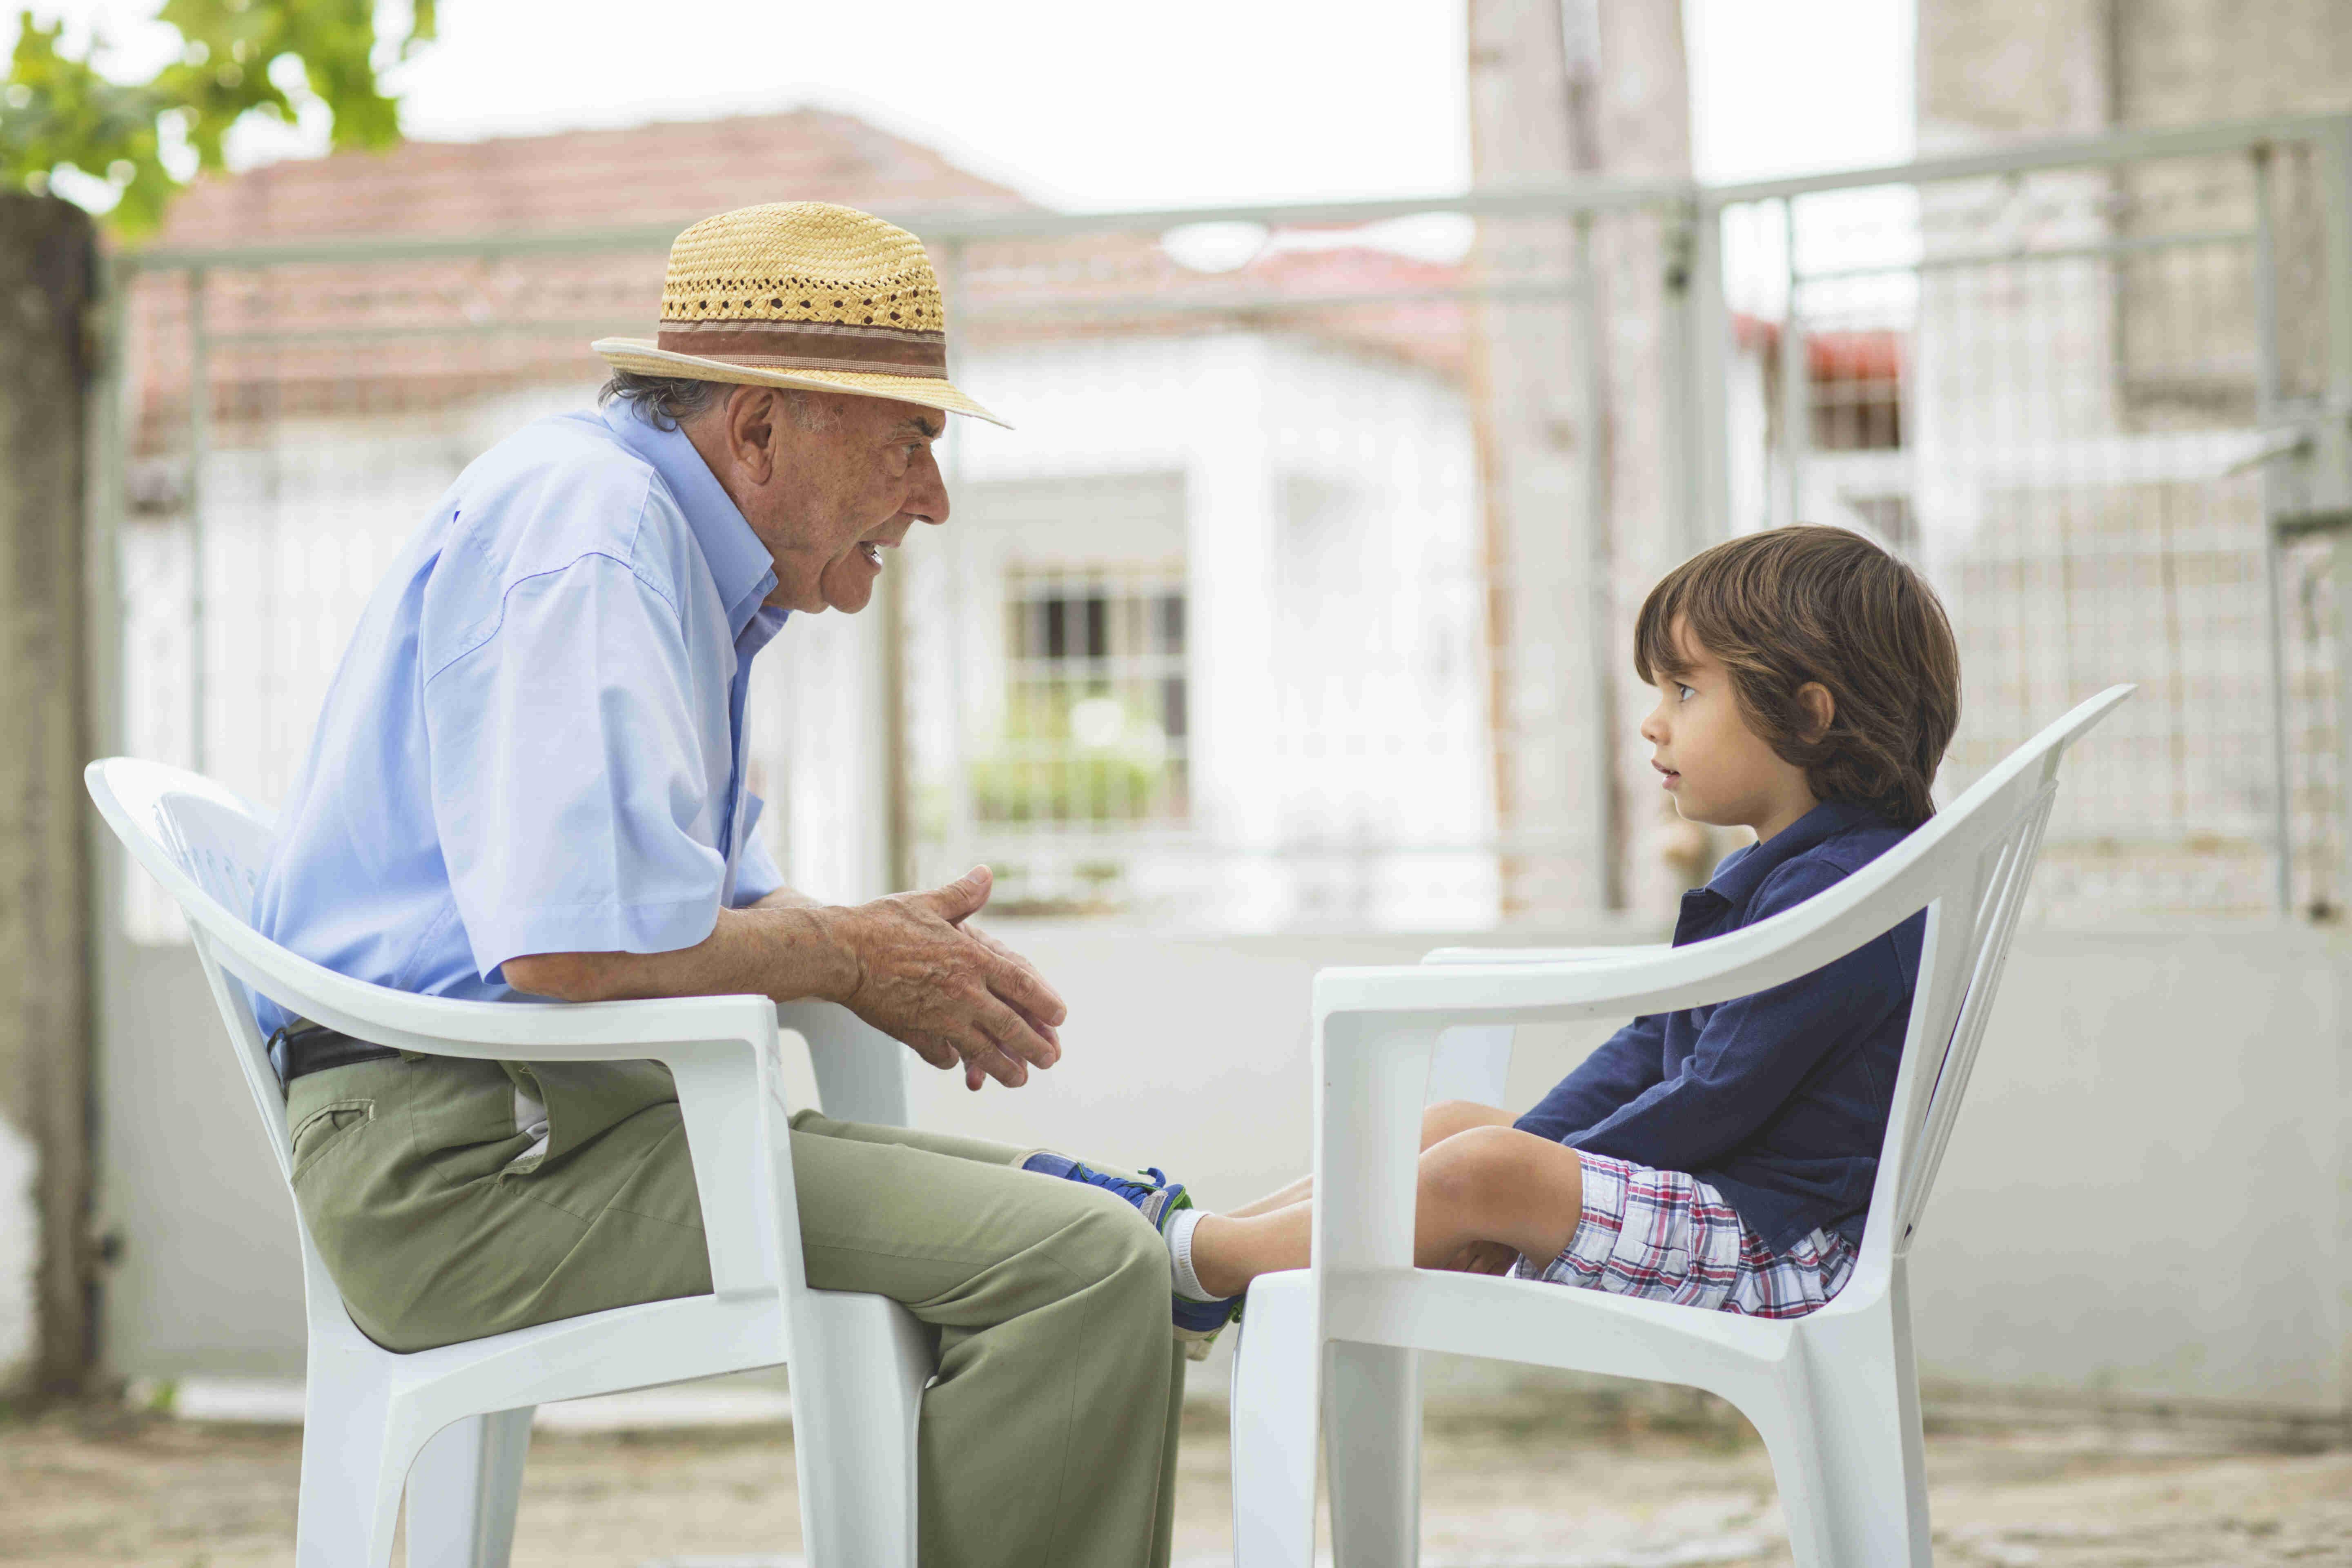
[669,401]
[666,401]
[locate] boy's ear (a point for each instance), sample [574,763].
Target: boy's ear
[1821,708]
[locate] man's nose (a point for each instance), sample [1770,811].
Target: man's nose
[928,499]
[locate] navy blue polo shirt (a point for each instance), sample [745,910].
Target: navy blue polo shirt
[1778,1100]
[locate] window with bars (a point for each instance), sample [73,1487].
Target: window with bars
[1095,725]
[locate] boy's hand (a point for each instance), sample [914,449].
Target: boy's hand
[1485,1257]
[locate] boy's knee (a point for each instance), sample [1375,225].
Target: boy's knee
[1471,1167]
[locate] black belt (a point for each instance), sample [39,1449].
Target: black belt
[301,1048]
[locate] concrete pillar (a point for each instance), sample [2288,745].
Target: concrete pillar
[47,266]
[1569,402]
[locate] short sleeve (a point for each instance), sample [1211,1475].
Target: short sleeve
[756,873]
[568,773]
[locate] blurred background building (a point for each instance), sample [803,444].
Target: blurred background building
[1290,625]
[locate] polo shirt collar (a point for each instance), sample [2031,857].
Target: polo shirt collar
[1740,875]
[739,564]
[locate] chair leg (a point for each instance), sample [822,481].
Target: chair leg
[1783,1416]
[858,1373]
[1865,1397]
[1372,1427]
[463,1491]
[1275,1370]
[353,1461]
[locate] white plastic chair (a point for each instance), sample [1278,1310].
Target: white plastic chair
[454,1423]
[1833,1395]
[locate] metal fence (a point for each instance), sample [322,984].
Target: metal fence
[2090,391]
[1302,594]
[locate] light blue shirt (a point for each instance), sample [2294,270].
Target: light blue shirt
[534,743]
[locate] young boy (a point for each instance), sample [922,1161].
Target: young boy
[1720,1157]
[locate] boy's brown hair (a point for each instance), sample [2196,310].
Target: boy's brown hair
[1789,605]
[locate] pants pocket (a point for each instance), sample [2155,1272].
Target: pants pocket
[326,1128]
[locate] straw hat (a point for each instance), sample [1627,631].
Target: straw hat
[802,294]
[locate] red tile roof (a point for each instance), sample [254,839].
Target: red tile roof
[675,172]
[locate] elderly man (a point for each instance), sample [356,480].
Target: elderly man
[528,780]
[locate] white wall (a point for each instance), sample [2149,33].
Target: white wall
[2145,1193]
[2148,1190]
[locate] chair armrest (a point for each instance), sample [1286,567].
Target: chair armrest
[861,1072]
[1473,1061]
[1794,942]
[1539,954]
[497,1031]
[662,1029]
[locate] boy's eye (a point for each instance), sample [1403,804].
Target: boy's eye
[1683,693]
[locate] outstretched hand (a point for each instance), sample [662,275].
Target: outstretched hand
[955,994]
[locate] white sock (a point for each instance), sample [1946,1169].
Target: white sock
[1180,1255]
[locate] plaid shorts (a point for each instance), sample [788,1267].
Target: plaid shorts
[1663,1236]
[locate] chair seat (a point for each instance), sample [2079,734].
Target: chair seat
[660,1342]
[1540,1323]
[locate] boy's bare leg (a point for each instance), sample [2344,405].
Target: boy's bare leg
[1298,1192]
[1439,1123]
[1447,1117]
[1489,1184]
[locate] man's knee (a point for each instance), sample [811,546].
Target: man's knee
[1108,1243]
[1114,1251]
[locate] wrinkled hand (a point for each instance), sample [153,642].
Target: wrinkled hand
[953,994]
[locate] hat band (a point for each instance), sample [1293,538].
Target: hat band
[809,346]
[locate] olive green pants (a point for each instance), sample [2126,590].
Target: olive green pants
[454,1199]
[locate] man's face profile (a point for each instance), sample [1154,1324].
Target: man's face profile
[828,481]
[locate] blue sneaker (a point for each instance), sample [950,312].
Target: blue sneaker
[1196,1322]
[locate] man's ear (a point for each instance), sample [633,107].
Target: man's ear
[1821,708]
[752,430]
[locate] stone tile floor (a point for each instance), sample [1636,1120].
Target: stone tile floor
[96,1487]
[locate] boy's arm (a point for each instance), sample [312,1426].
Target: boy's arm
[1754,1052]
[1625,1064]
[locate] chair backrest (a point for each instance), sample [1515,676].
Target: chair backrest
[1979,853]
[207,846]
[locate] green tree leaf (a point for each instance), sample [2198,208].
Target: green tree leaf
[59,112]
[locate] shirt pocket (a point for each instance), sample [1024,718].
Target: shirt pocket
[327,1129]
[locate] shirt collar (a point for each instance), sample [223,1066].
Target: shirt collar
[1740,875]
[739,564]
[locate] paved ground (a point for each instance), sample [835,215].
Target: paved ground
[91,1487]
